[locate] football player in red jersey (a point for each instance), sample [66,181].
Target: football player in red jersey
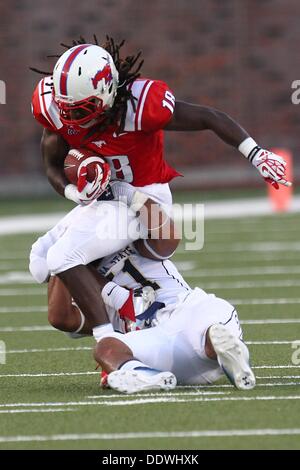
[95,99]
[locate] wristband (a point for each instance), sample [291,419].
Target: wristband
[249,148]
[138,200]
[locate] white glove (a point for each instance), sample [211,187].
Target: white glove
[72,193]
[272,167]
[81,198]
[122,191]
[127,193]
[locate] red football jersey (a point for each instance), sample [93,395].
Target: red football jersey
[136,154]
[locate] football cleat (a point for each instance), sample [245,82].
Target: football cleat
[136,380]
[233,357]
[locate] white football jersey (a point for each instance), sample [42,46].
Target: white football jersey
[128,269]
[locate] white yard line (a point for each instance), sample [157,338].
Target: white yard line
[250,284]
[267,377]
[235,208]
[205,285]
[33,328]
[147,401]
[34,309]
[71,374]
[24,351]
[37,328]
[22,292]
[275,301]
[253,228]
[261,343]
[245,247]
[89,348]
[161,398]
[151,435]
[16,277]
[287,366]
[28,223]
[39,410]
[248,271]
[153,394]
[50,374]
[129,401]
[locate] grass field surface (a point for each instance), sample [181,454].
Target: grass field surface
[49,391]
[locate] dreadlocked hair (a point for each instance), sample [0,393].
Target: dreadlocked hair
[128,69]
[126,76]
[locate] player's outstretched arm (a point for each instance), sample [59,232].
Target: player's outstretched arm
[191,117]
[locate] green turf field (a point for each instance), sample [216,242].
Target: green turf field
[49,393]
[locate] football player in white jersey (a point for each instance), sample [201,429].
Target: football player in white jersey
[186,335]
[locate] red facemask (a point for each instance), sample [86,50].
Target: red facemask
[81,112]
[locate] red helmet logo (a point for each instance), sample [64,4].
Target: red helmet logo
[104,73]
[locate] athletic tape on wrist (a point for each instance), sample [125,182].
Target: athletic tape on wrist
[138,201]
[249,148]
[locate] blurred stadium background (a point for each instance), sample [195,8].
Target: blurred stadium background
[239,56]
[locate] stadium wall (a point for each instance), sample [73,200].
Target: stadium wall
[239,56]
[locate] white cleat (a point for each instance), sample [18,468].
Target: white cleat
[132,381]
[233,357]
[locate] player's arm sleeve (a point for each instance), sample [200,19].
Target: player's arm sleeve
[158,107]
[38,108]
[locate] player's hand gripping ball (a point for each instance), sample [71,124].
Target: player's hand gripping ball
[89,172]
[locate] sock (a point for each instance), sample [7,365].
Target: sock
[115,296]
[134,364]
[102,330]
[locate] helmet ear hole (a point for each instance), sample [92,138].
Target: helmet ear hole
[110,88]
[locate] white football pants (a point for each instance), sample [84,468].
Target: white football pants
[90,232]
[177,344]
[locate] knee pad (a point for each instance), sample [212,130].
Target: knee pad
[39,269]
[38,259]
[55,260]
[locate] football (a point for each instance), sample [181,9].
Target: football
[83,165]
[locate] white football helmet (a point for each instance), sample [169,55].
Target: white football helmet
[85,82]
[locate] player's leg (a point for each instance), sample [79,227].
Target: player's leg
[127,373]
[38,255]
[101,231]
[104,227]
[220,340]
[232,355]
